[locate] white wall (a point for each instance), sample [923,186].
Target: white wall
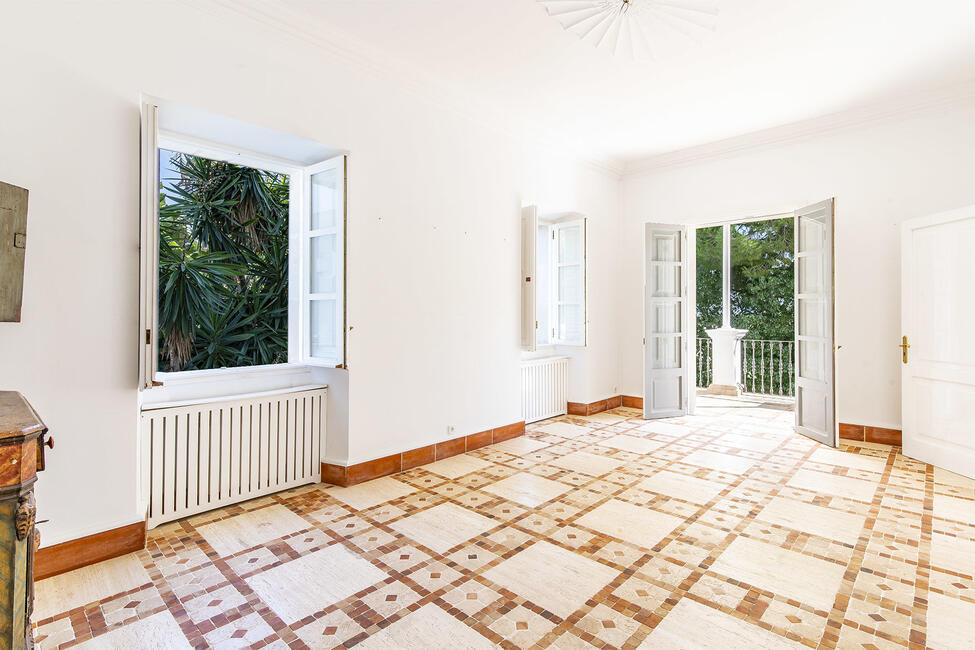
[881,172]
[433,265]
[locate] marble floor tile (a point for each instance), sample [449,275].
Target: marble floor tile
[632,444]
[372,493]
[954,508]
[552,577]
[157,632]
[693,625]
[682,486]
[830,523]
[444,526]
[786,573]
[950,623]
[634,524]
[312,582]
[82,586]
[587,463]
[428,627]
[457,466]
[234,534]
[527,489]
[564,429]
[721,462]
[831,484]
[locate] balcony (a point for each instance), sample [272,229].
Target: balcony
[762,368]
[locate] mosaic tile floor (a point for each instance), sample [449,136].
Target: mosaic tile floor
[722,530]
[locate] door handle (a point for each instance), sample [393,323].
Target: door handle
[904,346]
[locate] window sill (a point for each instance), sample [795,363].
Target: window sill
[188,377]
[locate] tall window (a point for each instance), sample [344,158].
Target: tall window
[243,257]
[554,283]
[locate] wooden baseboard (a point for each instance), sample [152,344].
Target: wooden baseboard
[866,433]
[632,402]
[77,553]
[578,408]
[346,476]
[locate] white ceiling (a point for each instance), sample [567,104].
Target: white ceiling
[768,63]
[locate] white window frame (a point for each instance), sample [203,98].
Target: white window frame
[299,267]
[554,302]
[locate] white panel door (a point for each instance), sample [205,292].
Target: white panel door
[815,400]
[529,282]
[937,316]
[666,362]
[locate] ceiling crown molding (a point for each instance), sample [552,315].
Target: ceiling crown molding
[410,78]
[890,109]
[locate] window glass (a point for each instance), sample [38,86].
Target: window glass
[708,279]
[223,264]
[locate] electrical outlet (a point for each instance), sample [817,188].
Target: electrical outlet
[450,429]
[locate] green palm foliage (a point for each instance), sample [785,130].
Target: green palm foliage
[223,264]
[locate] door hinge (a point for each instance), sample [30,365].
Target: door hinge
[148,337]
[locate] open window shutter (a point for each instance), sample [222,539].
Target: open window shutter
[569,282]
[529,279]
[323,272]
[149,245]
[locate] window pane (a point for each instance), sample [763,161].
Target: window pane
[570,245]
[666,247]
[570,283]
[665,318]
[763,279]
[223,273]
[811,274]
[325,197]
[324,264]
[666,352]
[666,280]
[811,361]
[571,326]
[812,321]
[322,325]
[708,247]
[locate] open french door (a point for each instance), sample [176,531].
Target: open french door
[938,351]
[815,399]
[666,362]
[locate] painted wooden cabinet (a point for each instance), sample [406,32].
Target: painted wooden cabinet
[22,442]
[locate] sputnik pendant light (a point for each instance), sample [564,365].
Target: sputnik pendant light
[633,28]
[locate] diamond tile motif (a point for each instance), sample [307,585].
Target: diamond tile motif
[763,540]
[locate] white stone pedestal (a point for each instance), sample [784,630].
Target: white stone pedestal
[726,361]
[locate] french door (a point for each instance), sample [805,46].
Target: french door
[666,361]
[815,399]
[937,348]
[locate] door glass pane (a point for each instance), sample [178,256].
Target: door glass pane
[666,280]
[323,264]
[812,232]
[811,361]
[666,247]
[811,274]
[708,268]
[812,321]
[322,325]
[666,352]
[665,318]
[324,199]
[570,322]
[570,283]
[570,245]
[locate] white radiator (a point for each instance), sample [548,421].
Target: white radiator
[201,455]
[543,388]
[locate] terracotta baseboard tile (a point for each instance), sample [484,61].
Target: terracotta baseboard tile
[346,476]
[77,553]
[449,448]
[632,402]
[509,431]
[579,408]
[866,433]
[576,408]
[883,436]
[851,431]
[478,440]
[416,457]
